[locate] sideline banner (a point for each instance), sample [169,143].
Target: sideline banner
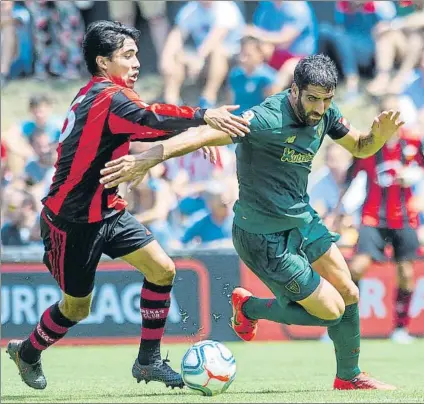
[200,302]
[200,306]
[376,305]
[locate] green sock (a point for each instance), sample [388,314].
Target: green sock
[289,313]
[347,338]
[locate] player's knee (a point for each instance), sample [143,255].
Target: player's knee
[75,309]
[350,294]
[405,275]
[166,274]
[332,307]
[334,311]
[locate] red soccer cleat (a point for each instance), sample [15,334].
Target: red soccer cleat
[361,382]
[243,326]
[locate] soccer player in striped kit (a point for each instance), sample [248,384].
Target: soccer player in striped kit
[81,219]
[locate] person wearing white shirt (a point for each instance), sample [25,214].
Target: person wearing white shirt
[216,30]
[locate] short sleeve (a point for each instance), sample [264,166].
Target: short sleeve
[338,125]
[297,15]
[226,14]
[385,10]
[258,124]
[185,16]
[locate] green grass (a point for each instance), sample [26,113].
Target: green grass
[267,373]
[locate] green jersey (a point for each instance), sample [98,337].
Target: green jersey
[273,164]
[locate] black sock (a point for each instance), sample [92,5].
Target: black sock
[155,301]
[52,327]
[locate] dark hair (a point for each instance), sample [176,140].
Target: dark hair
[38,99]
[316,70]
[103,38]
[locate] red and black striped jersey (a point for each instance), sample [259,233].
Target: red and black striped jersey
[102,120]
[387,203]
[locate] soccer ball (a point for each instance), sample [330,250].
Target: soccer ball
[208,367]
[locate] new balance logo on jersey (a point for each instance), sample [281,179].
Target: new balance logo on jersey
[291,139]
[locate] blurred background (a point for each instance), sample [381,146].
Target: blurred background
[205,53]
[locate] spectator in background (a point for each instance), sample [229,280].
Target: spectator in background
[326,188]
[3,169]
[402,38]
[191,174]
[388,215]
[289,30]
[19,218]
[58,33]
[153,11]
[351,42]
[18,138]
[39,170]
[412,100]
[217,224]
[16,44]
[153,204]
[252,80]
[216,29]
[419,206]
[41,109]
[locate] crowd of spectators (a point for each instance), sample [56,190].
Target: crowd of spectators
[234,52]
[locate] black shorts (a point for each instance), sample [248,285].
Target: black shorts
[72,251]
[373,240]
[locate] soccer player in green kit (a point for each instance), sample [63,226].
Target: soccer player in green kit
[276,232]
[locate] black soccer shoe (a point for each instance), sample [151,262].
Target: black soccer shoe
[31,374]
[158,371]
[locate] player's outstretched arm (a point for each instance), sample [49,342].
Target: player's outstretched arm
[157,122]
[363,145]
[133,168]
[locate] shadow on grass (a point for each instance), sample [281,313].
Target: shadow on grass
[42,398]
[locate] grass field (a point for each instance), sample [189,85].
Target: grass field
[292,372]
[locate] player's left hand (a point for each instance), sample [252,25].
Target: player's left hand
[222,119]
[125,169]
[211,153]
[386,124]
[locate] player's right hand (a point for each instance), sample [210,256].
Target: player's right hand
[125,169]
[222,119]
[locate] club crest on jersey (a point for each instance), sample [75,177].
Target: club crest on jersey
[293,287]
[249,115]
[320,128]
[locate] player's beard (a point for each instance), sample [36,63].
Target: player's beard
[305,117]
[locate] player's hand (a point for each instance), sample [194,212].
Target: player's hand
[221,119]
[211,153]
[386,124]
[125,169]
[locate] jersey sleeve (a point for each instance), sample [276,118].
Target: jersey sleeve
[338,125]
[226,14]
[185,18]
[297,15]
[149,123]
[258,124]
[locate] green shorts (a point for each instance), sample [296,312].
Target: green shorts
[282,261]
[317,239]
